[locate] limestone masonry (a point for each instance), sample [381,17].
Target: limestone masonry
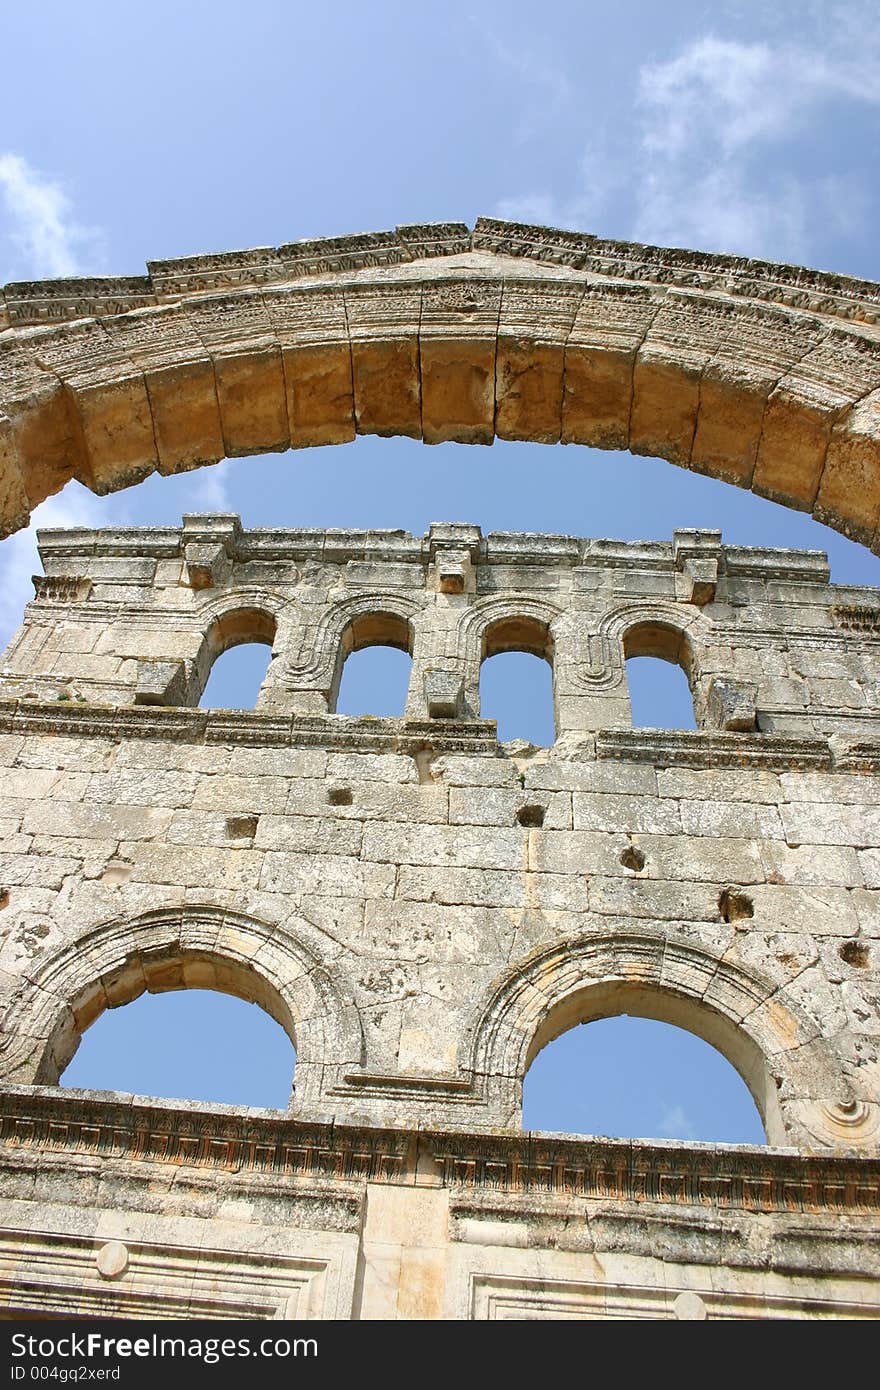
[420,907]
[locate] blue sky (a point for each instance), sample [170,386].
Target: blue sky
[129,133]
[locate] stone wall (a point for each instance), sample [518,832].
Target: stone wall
[422,909]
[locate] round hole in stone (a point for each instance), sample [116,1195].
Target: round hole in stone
[855,953]
[531,816]
[4,897]
[633,858]
[735,905]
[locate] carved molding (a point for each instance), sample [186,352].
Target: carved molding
[640,1171]
[689,748]
[342,732]
[52,301]
[47,1121]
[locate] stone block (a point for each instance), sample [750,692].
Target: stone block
[730,704]
[206,565]
[160,683]
[444,693]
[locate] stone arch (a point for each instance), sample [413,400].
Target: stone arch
[233,620]
[374,618]
[766,376]
[178,948]
[618,970]
[500,624]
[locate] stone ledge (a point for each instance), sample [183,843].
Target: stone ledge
[691,748]
[364,734]
[343,732]
[855,607]
[24,303]
[106,1127]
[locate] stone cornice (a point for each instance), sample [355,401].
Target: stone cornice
[26,303]
[348,733]
[76,1125]
[689,748]
[345,732]
[750,1179]
[338,546]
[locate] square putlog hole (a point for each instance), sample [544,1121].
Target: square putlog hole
[241,827]
[340,796]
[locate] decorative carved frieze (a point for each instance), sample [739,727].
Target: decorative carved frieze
[639,1171]
[249,728]
[49,1122]
[687,748]
[34,302]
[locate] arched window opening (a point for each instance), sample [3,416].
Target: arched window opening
[374,666]
[237,677]
[235,658]
[191,1044]
[201,1022]
[516,680]
[639,1078]
[660,676]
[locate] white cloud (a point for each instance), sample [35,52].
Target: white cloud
[19,558]
[210,491]
[736,93]
[714,149]
[710,110]
[675,1123]
[720,211]
[42,235]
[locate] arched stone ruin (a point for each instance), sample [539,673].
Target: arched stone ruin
[419,906]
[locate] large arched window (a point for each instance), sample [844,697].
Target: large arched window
[516,680]
[235,658]
[677,1070]
[660,672]
[630,1077]
[120,1031]
[189,1044]
[373,666]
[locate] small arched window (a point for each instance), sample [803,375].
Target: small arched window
[236,657]
[516,680]
[660,673]
[373,666]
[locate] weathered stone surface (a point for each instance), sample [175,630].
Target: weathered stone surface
[420,907]
[761,375]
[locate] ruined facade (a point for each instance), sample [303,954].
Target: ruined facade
[420,907]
